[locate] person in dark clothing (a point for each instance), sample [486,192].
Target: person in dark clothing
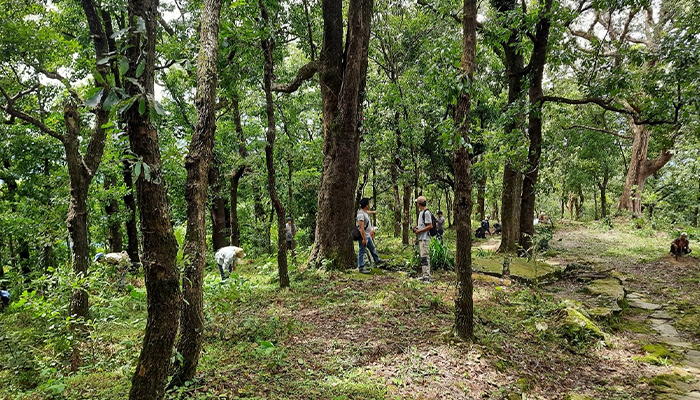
[680,246]
[4,298]
[497,228]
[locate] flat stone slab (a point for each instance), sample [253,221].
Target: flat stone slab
[666,330]
[660,314]
[679,343]
[633,295]
[638,303]
[610,288]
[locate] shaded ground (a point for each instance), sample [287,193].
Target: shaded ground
[387,336]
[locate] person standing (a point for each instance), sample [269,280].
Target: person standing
[291,231]
[440,225]
[425,223]
[364,224]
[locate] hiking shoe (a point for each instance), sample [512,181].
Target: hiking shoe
[364,271]
[424,279]
[380,261]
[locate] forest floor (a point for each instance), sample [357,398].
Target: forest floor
[337,335]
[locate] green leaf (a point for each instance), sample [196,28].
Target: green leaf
[125,104]
[159,108]
[111,100]
[104,60]
[123,66]
[137,169]
[140,68]
[142,105]
[94,96]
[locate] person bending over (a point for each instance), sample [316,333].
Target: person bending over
[681,246]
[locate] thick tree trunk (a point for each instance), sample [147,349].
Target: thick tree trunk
[534,129]
[406,214]
[235,238]
[640,168]
[197,164]
[268,46]
[510,209]
[481,195]
[464,303]
[512,177]
[159,245]
[342,75]
[81,172]
[237,175]
[397,199]
[132,232]
[218,209]
[114,226]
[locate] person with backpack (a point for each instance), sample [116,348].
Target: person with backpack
[423,231]
[366,242]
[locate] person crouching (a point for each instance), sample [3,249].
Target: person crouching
[680,246]
[226,258]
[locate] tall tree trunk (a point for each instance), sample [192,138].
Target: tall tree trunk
[510,209]
[237,174]
[538,61]
[374,192]
[114,226]
[197,164]
[397,199]
[512,177]
[697,207]
[132,232]
[595,206]
[603,186]
[481,195]
[464,303]
[218,209]
[406,213]
[268,46]
[49,258]
[235,238]
[81,172]
[640,168]
[342,75]
[159,245]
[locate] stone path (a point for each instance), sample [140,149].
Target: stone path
[687,386]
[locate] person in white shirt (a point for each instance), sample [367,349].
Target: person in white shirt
[226,258]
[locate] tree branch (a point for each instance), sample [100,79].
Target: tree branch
[591,128]
[14,113]
[304,74]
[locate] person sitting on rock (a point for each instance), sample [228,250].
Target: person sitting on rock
[680,246]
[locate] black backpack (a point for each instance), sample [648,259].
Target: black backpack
[433,231]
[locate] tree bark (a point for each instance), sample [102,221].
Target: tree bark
[268,46]
[159,245]
[406,214]
[640,168]
[342,76]
[132,232]
[464,303]
[538,61]
[114,226]
[512,177]
[237,174]
[218,208]
[481,195]
[197,164]
[397,199]
[603,186]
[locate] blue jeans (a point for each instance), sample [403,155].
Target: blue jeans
[363,249]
